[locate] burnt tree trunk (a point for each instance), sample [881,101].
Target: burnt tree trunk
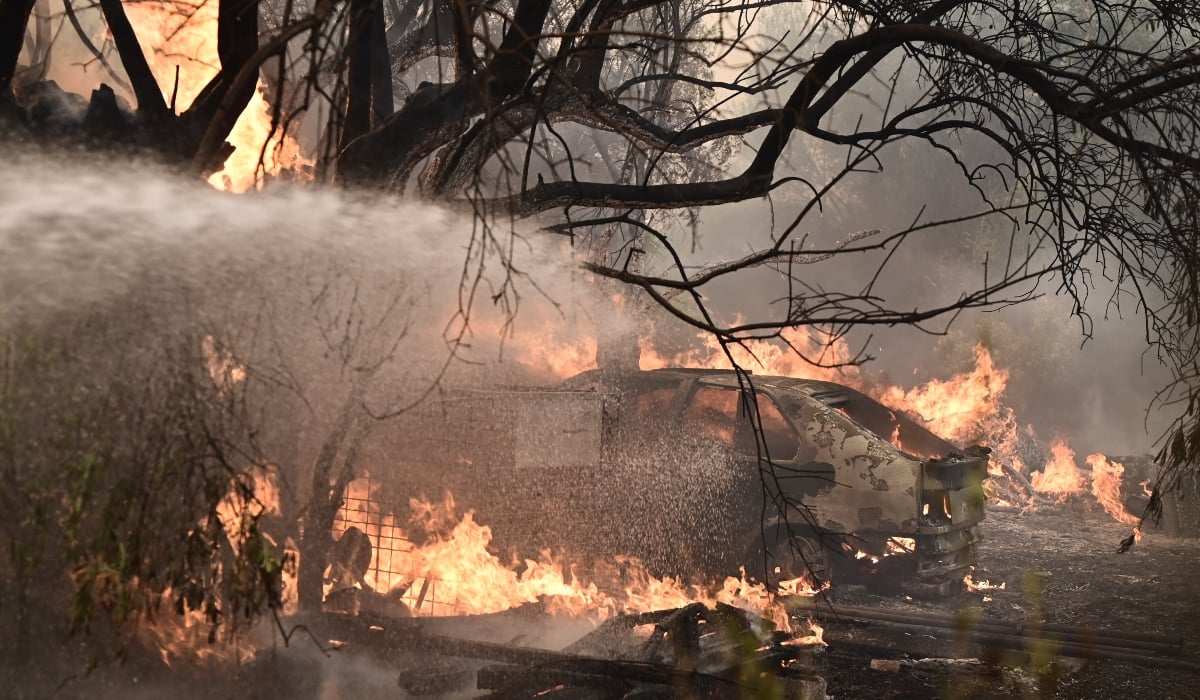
[14,15]
[151,106]
[361,88]
[332,473]
[370,72]
[218,106]
[435,113]
[382,98]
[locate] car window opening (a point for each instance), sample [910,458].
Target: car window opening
[712,414]
[779,438]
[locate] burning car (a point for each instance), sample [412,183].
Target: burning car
[700,472]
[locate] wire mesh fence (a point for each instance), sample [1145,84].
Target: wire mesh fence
[394,564]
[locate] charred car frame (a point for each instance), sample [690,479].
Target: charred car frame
[701,472]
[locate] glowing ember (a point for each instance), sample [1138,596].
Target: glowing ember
[815,637]
[1060,477]
[183,34]
[1106,487]
[984,585]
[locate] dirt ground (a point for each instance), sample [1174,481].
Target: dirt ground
[1060,566]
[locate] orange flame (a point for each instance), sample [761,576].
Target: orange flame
[1106,487]
[184,36]
[192,636]
[984,585]
[562,354]
[188,637]
[965,409]
[453,573]
[1060,477]
[773,358]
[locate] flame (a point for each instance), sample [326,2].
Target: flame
[188,637]
[1106,487]
[865,555]
[192,636]
[252,493]
[815,637]
[558,348]
[818,632]
[984,585]
[1060,477]
[775,358]
[563,354]
[958,407]
[453,573]
[184,36]
[223,367]
[965,409]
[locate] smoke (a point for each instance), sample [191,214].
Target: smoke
[295,300]
[1094,391]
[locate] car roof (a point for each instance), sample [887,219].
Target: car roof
[827,392]
[830,391]
[854,404]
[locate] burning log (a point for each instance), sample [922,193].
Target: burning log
[1020,484]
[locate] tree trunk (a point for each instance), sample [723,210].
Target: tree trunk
[14,16]
[382,99]
[358,107]
[151,105]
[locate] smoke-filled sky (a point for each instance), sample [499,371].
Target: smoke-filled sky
[70,222]
[1094,393]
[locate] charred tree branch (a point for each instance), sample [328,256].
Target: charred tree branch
[211,140]
[437,113]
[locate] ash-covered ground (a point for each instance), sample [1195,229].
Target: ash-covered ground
[1060,566]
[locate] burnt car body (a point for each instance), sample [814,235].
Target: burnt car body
[674,467]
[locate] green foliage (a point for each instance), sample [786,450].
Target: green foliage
[118,452]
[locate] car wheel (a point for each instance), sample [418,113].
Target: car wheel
[782,559]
